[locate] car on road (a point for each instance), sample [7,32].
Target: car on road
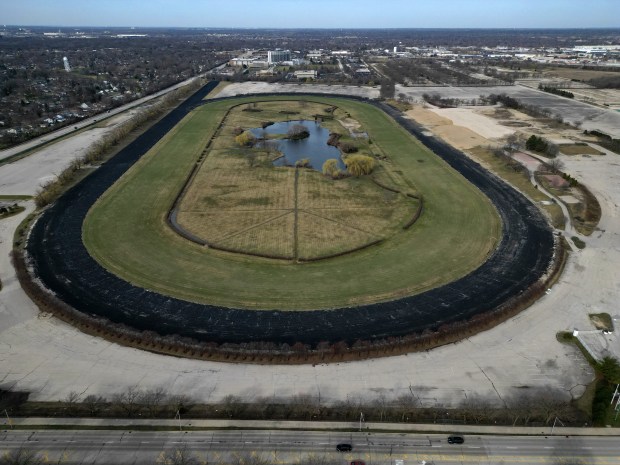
[358,462]
[344,447]
[455,440]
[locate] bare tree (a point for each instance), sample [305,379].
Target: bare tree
[181,403]
[232,406]
[381,405]
[21,456]
[315,459]
[555,165]
[71,402]
[178,456]
[94,404]
[248,458]
[514,141]
[152,399]
[406,404]
[128,400]
[306,405]
[476,409]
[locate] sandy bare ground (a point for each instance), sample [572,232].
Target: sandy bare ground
[459,136]
[427,117]
[51,359]
[467,117]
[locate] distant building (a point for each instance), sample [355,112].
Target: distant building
[306,74]
[248,63]
[277,56]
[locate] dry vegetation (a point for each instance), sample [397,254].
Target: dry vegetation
[586,213]
[238,201]
[578,149]
[517,175]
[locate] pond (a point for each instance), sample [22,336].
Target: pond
[314,147]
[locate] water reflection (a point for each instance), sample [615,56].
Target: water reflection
[314,148]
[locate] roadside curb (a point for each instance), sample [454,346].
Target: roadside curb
[189,424]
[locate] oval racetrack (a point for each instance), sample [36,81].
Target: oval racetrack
[63,264]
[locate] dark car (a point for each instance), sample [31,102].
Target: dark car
[357,462]
[455,440]
[344,447]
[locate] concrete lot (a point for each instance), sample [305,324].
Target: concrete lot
[49,358]
[571,111]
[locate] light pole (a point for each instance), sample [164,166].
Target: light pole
[178,415]
[361,420]
[8,420]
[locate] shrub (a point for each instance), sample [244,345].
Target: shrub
[334,137]
[556,91]
[298,131]
[538,144]
[245,139]
[330,168]
[347,147]
[359,165]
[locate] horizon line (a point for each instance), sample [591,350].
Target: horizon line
[323,28]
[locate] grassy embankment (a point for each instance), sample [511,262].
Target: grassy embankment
[127,233]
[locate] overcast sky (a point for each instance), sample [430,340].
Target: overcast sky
[315,13]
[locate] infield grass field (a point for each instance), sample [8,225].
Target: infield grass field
[239,201]
[126,230]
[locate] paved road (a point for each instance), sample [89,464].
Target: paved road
[135,447]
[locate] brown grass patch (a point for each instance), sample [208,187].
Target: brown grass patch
[272,238]
[578,149]
[460,137]
[427,117]
[320,236]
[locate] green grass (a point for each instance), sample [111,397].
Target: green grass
[15,197]
[602,321]
[11,212]
[126,231]
[580,244]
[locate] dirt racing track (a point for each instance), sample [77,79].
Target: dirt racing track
[62,263]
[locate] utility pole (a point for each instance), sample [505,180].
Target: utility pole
[178,415]
[361,420]
[8,420]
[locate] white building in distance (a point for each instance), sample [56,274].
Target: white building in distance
[306,74]
[277,56]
